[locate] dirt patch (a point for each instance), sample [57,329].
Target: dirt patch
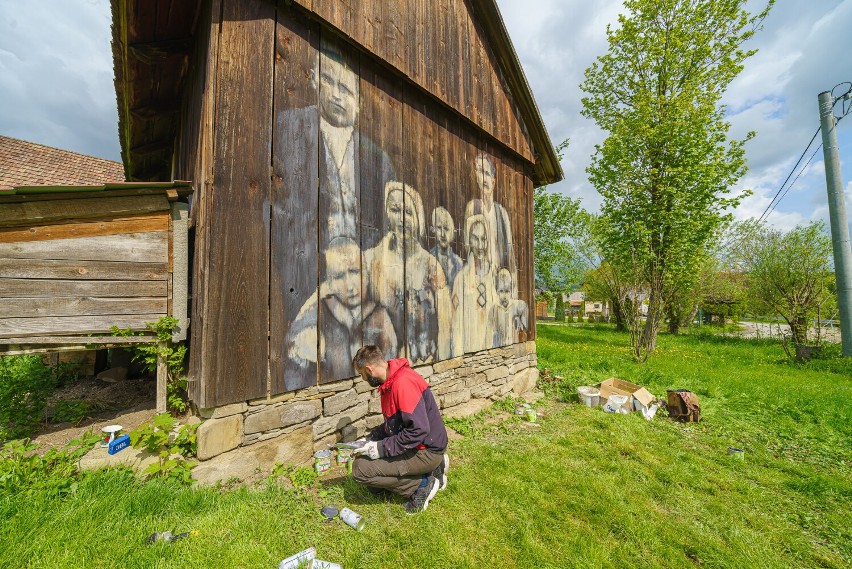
[127,403]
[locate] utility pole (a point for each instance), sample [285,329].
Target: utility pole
[839,223]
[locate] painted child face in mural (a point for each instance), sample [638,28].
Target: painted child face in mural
[485,176]
[401,215]
[478,241]
[504,287]
[338,92]
[343,277]
[442,227]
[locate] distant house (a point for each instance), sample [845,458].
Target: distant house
[597,308]
[25,163]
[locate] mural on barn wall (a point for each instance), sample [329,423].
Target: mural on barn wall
[414,251]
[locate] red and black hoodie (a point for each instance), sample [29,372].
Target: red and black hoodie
[412,418]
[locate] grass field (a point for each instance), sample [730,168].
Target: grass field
[580,488]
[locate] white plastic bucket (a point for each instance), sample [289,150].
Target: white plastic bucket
[589,396]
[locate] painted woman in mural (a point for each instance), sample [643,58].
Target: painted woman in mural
[500,246]
[346,320]
[473,290]
[407,280]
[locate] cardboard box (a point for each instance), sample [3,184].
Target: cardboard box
[615,386]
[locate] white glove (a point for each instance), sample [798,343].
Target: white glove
[370,450]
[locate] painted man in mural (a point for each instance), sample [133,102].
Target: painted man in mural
[473,290]
[323,174]
[508,317]
[445,231]
[346,322]
[332,127]
[500,246]
[405,278]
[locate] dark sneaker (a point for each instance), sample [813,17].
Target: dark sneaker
[419,501]
[440,473]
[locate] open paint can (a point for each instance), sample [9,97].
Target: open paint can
[322,461]
[344,455]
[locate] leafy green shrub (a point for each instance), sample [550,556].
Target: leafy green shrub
[25,385]
[71,411]
[156,437]
[65,373]
[302,476]
[24,471]
[173,354]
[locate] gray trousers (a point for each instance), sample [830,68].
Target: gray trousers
[399,474]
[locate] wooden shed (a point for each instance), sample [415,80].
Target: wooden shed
[363,173]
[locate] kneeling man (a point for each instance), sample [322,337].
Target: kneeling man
[407,453]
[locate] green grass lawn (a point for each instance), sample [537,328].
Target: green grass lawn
[580,488]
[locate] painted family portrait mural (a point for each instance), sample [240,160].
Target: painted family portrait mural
[425,273]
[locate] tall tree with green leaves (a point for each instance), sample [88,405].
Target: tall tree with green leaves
[667,167]
[557,266]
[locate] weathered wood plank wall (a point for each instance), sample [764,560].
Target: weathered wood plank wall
[235,342]
[385,217]
[83,265]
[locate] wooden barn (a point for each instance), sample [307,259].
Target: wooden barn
[363,173]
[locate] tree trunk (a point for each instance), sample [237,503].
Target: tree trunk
[618,313]
[674,320]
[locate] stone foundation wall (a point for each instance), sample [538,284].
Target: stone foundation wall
[290,427]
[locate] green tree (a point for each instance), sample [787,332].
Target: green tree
[789,273]
[557,266]
[666,169]
[559,313]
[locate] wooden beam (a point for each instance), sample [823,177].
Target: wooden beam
[42,212]
[91,228]
[151,111]
[78,270]
[161,50]
[134,247]
[157,146]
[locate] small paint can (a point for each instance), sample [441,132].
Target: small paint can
[737,453]
[352,519]
[322,460]
[532,416]
[344,455]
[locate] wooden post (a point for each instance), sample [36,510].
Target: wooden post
[162,378]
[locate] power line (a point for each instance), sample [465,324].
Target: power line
[770,206]
[846,97]
[805,167]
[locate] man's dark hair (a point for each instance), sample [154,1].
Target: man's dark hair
[367,355]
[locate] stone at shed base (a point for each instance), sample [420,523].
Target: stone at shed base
[243,463]
[471,407]
[113,374]
[98,457]
[532,396]
[525,381]
[216,436]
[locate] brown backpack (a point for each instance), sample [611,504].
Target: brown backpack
[683,406]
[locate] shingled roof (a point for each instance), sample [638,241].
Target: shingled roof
[25,163]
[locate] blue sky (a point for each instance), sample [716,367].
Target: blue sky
[56,86]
